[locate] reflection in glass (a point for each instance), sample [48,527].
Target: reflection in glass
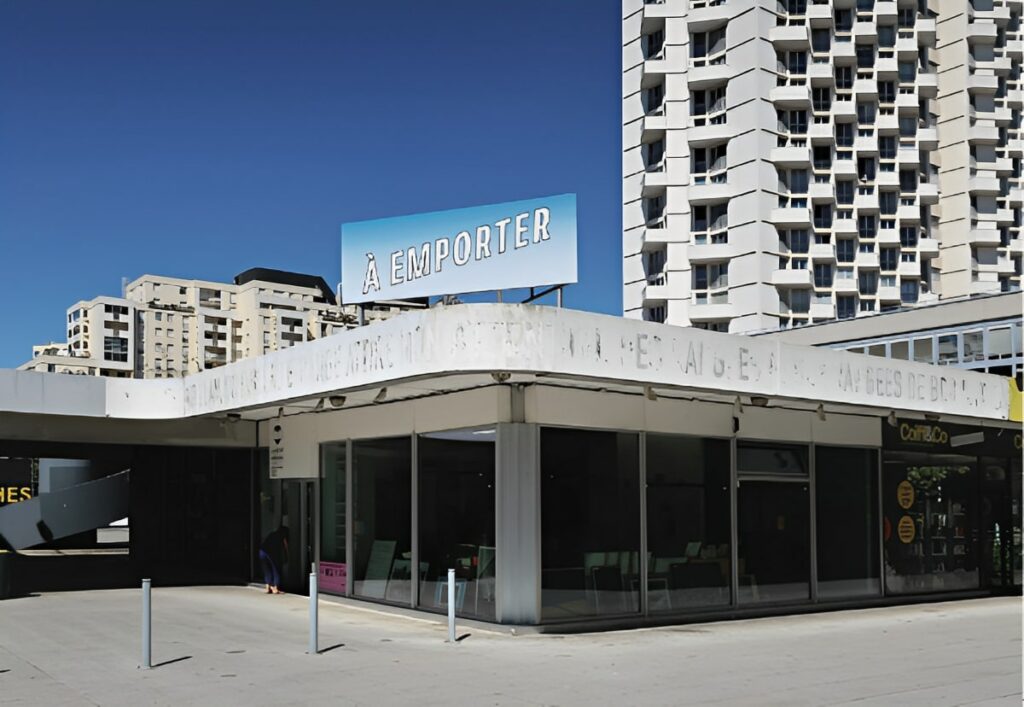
[456,521]
[687,522]
[846,492]
[930,506]
[332,519]
[382,487]
[590,523]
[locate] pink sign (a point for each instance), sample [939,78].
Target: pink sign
[332,577]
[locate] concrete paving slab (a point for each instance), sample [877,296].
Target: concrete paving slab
[232,645]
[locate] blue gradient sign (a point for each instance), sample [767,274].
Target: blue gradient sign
[526,243]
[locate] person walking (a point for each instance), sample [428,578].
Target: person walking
[273,556]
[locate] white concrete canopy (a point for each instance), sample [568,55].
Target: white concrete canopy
[466,346]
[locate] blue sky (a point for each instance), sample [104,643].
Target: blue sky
[198,138]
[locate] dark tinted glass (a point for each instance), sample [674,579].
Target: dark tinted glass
[774,541]
[333,575]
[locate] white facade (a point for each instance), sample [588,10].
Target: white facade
[780,159]
[167,327]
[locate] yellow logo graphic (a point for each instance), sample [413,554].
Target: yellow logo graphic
[906,530]
[905,494]
[923,433]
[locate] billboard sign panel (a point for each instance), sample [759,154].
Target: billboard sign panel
[526,243]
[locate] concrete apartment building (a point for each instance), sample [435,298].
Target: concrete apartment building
[782,162]
[165,327]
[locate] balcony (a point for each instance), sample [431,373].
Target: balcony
[844,52]
[865,88]
[701,19]
[865,32]
[982,32]
[927,85]
[926,30]
[907,103]
[885,10]
[909,270]
[790,96]
[983,133]
[796,217]
[822,310]
[792,278]
[886,68]
[1014,98]
[711,312]
[844,168]
[657,288]
[888,236]
[928,193]
[867,144]
[844,227]
[821,74]
[865,203]
[907,48]
[820,133]
[845,111]
[821,192]
[928,138]
[710,252]
[789,37]
[1005,266]
[658,238]
[888,293]
[982,83]
[704,135]
[823,252]
[984,238]
[819,15]
[701,77]
[653,182]
[867,261]
[888,124]
[1016,246]
[845,286]
[928,247]
[1016,196]
[985,186]
[791,156]
[659,10]
[889,179]
[709,192]
[907,213]
[655,122]
[998,15]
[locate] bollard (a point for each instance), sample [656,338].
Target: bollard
[451,606]
[313,618]
[147,635]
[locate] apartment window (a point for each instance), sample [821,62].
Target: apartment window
[887,202]
[908,126]
[709,218]
[866,113]
[708,44]
[908,180]
[654,209]
[796,63]
[844,77]
[654,43]
[865,56]
[797,181]
[821,98]
[845,250]
[822,157]
[798,241]
[887,147]
[158,316]
[888,258]
[845,307]
[799,301]
[865,5]
[867,282]
[906,16]
[843,20]
[709,102]
[844,191]
[655,314]
[654,153]
[708,160]
[793,121]
[886,36]
[115,349]
[795,7]
[822,275]
[821,40]
[867,226]
[714,276]
[886,92]
[654,97]
[844,134]
[907,71]
[908,291]
[867,305]
[866,169]
[823,216]
[908,236]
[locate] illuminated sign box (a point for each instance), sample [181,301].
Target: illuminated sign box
[527,243]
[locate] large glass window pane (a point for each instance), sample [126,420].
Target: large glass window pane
[590,523]
[456,521]
[846,498]
[774,541]
[333,570]
[930,506]
[382,486]
[688,522]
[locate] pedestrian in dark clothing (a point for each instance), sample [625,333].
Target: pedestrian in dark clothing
[273,556]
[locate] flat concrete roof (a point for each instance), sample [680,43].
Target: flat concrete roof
[450,348]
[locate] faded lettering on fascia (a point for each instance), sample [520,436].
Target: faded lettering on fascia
[883,382]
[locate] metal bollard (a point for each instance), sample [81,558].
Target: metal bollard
[313,618]
[451,606]
[147,634]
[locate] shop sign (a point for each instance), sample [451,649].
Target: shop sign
[905,494]
[906,530]
[276,450]
[332,576]
[15,480]
[927,436]
[516,244]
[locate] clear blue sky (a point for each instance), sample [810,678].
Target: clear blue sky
[198,138]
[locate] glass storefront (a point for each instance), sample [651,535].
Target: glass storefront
[930,503]
[333,570]
[590,523]
[456,521]
[688,523]
[846,498]
[382,522]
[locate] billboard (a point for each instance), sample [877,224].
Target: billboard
[526,243]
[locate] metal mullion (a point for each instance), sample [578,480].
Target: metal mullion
[812,499]
[349,520]
[414,475]
[880,523]
[644,607]
[734,558]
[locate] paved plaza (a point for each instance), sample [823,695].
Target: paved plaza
[237,646]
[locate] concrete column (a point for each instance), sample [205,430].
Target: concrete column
[518,523]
